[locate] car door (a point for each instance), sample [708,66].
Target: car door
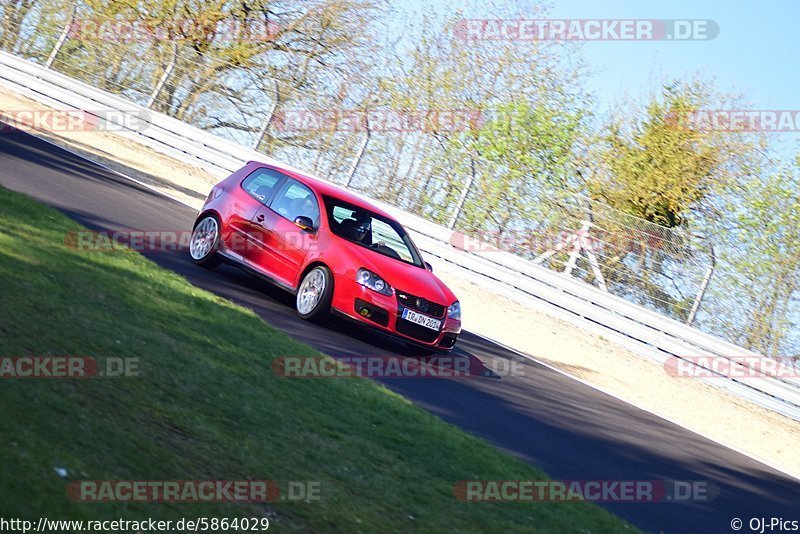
[257,190]
[288,244]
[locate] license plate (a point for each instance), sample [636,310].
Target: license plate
[422,320]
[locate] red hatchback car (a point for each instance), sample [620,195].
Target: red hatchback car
[330,248]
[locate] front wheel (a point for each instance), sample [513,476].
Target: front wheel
[205,242]
[315,294]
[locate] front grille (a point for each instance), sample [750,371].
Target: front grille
[420,304]
[416,331]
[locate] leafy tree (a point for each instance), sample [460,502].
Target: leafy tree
[526,159]
[658,166]
[12,15]
[756,292]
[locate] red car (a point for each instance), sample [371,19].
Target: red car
[330,248]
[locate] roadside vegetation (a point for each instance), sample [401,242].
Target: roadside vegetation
[206,406]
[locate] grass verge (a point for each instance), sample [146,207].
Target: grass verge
[207,406]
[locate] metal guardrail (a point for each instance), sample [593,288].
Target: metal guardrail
[643,331]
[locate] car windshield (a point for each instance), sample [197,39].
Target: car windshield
[370,230]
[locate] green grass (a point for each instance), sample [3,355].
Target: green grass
[207,406]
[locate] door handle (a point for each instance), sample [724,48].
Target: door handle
[259,218]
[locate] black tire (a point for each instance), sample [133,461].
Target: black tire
[319,311]
[209,258]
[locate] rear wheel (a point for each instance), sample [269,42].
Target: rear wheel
[315,294]
[204,243]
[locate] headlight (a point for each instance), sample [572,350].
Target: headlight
[454,311]
[374,282]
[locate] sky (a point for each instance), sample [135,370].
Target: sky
[756,50]
[756,53]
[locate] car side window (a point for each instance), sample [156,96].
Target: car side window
[294,200]
[384,235]
[260,183]
[340,214]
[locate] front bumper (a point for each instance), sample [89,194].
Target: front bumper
[383,313]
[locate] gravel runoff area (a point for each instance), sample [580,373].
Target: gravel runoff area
[507,318]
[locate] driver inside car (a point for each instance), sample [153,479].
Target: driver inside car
[362,229]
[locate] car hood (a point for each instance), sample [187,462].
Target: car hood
[400,275]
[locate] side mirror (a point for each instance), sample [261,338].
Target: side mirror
[428,266]
[304,223]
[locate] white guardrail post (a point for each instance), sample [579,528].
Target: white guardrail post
[646,332]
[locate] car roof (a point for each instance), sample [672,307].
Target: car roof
[326,188]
